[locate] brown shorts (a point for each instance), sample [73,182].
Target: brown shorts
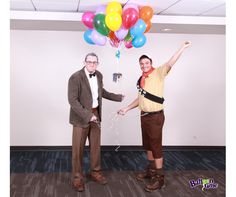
[152,125]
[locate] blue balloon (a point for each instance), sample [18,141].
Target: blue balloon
[87,36]
[138,29]
[139,41]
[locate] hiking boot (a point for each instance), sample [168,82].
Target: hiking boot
[157,182]
[147,174]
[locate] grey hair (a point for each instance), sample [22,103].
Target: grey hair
[91,54]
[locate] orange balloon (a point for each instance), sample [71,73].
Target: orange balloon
[112,35]
[146,13]
[149,25]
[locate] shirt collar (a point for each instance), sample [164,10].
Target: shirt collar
[87,73]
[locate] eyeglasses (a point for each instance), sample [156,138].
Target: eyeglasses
[94,63]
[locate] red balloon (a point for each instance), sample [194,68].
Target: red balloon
[129,17]
[112,36]
[114,41]
[115,44]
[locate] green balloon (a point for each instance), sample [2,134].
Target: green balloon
[128,37]
[100,25]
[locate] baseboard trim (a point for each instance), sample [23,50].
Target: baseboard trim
[121,148]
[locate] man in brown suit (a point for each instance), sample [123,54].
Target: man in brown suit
[85,93]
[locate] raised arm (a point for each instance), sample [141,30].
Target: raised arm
[129,107]
[176,56]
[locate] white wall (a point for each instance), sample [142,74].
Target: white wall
[42,62]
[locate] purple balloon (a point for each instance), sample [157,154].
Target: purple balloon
[87,19]
[131,5]
[98,39]
[121,33]
[101,9]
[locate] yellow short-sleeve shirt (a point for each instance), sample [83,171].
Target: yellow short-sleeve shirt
[154,84]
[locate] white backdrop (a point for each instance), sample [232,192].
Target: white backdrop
[42,62]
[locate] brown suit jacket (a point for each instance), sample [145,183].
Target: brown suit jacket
[80,98]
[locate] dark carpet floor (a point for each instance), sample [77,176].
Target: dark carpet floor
[121,184]
[60,161]
[47,174]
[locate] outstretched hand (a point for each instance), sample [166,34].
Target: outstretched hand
[186,44]
[122,111]
[123,97]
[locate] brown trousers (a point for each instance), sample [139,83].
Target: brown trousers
[152,125]
[93,132]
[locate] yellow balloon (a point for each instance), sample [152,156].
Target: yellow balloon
[113,21]
[114,7]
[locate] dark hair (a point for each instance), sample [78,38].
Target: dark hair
[91,54]
[145,57]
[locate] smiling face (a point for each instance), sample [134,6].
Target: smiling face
[145,64]
[91,63]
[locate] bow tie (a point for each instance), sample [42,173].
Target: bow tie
[92,75]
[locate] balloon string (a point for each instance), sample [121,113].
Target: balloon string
[113,119]
[126,2]
[114,116]
[117,148]
[118,57]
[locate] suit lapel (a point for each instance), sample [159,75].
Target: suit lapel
[86,82]
[99,80]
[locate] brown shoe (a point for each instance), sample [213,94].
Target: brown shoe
[143,175]
[78,185]
[98,177]
[147,174]
[157,182]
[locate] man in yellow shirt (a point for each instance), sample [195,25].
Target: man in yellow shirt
[150,102]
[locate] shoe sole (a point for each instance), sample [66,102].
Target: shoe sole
[152,190]
[101,183]
[104,183]
[141,179]
[78,190]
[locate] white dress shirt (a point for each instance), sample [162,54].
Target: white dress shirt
[93,82]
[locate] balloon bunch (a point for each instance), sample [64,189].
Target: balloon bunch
[118,24]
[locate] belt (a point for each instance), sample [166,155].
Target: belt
[153,112]
[94,109]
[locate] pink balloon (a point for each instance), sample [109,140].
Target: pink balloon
[129,17]
[128,44]
[121,33]
[131,5]
[101,9]
[87,19]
